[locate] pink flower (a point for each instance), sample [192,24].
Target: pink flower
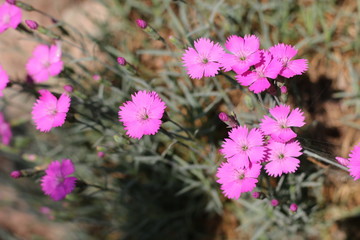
[141,23]
[244,53]
[16,174]
[279,128]
[56,182]
[49,112]
[284,54]
[142,115]
[243,147]
[10,16]
[235,180]
[354,162]
[282,158]
[45,62]
[5,131]
[257,78]
[204,59]
[4,80]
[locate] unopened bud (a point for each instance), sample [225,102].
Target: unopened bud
[101,154]
[274,202]
[283,89]
[256,195]
[12,2]
[15,174]
[32,24]
[121,61]
[141,23]
[68,88]
[293,207]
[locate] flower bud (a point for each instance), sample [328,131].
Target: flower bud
[121,61]
[283,89]
[96,77]
[141,23]
[32,24]
[12,2]
[274,202]
[293,207]
[256,195]
[15,174]
[101,154]
[68,88]
[223,117]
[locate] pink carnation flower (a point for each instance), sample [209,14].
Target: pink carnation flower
[4,80]
[243,147]
[244,53]
[49,112]
[282,158]
[354,162]
[204,59]
[235,180]
[268,67]
[142,115]
[10,16]
[45,62]
[280,128]
[5,131]
[284,54]
[56,182]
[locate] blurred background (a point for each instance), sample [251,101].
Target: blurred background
[165,189]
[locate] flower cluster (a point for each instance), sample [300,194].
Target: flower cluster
[254,67]
[246,151]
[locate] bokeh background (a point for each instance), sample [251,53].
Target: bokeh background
[170,191]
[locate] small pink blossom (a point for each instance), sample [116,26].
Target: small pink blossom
[257,79]
[279,127]
[282,158]
[354,162]
[5,131]
[32,24]
[4,80]
[49,112]
[10,16]
[235,180]
[204,59]
[56,182]
[284,53]
[142,115]
[244,53]
[45,62]
[243,147]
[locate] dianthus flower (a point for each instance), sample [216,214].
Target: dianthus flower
[280,128]
[5,131]
[268,67]
[10,16]
[282,158]
[243,148]
[284,54]
[354,162]
[45,62]
[4,80]
[244,53]
[204,59]
[56,182]
[142,115]
[49,112]
[235,180]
